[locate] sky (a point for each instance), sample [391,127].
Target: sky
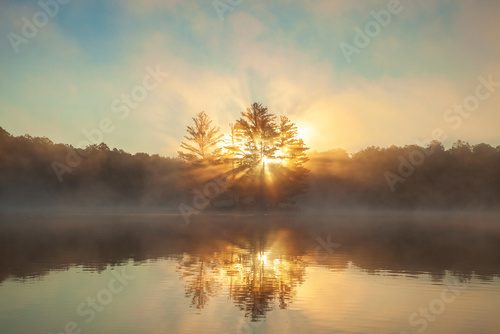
[351,74]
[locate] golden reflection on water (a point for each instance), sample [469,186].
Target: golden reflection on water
[350,275]
[257,279]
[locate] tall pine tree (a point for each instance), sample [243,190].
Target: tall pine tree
[202,142]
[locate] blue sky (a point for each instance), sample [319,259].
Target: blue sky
[287,54]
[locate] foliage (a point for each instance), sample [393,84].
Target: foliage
[95,175]
[463,176]
[267,155]
[203,140]
[257,131]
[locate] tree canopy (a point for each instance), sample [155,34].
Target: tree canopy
[202,141]
[263,154]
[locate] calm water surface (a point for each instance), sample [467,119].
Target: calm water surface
[378,273]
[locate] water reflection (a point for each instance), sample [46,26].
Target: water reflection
[257,280]
[258,261]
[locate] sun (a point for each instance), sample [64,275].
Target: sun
[263,258]
[303,132]
[276,159]
[270,161]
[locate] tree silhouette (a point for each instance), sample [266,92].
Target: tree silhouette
[257,129]
[290,148]
[201,280]
[286,171]
[273,154]
[232,146]
[463,176]
[255,282]
[203,141]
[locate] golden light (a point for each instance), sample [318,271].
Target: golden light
[256,278]
[271,160]
[262,257]
[304,132]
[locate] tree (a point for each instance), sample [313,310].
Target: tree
[287,174]
[263,152]
[3,133]
[232,147]
[203,141]
[272,153]
[290,148]
[257,129]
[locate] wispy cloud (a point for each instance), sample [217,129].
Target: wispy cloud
[284,54]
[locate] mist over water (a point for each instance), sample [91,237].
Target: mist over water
[229,166]
[361,243]
[245,272]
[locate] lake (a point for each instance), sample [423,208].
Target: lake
[378,272]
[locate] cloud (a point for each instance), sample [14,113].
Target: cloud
[148,6]
[277,53]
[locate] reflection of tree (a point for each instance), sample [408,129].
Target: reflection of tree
[201,282]
[263,281]
[256,280]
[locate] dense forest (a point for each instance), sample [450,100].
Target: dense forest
[462,177]
[35,171]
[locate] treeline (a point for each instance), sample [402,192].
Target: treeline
[36,171]
[462,176]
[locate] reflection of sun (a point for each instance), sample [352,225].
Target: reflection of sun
[257,279]
[262,257]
